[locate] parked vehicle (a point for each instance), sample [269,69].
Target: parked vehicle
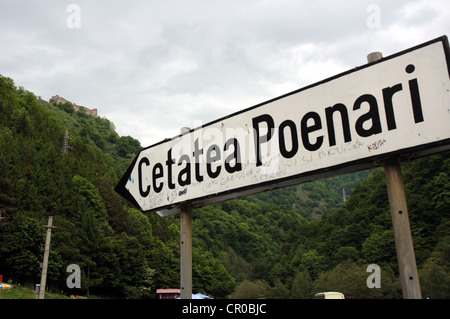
[329,295]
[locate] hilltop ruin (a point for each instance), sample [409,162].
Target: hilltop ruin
[58,99]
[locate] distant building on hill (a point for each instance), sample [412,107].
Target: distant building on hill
[58,99]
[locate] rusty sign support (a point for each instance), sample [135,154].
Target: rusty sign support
[409,277]
[186,252]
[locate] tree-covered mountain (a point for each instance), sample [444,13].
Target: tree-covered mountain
[333,253]
[286,243]
[120,251]
[274,252]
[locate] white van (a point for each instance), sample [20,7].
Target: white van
[329,295]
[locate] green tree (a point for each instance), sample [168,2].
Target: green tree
[434,275]
[347,277]
[302,287]
[7,201]
[434,281]
[379,248]
[236,265]
[279,291]
[20,249]
[346,253]
[313,263]
[210,276]
[95,248]
[66,107]
[127,145]
[251,290]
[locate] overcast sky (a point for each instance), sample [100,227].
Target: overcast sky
[152,67]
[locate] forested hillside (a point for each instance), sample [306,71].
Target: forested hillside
[287,243]
[121,251]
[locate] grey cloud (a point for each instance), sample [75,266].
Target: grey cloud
[154,66]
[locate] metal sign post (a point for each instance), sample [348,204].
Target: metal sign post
[409,277]
[186,252]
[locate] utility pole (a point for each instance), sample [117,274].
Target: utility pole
[409,277]
[46,253]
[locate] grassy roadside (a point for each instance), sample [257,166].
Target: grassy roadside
[19,292]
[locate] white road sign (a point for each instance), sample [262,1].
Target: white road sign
[398,105]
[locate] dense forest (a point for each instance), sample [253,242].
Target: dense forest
[287,243]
